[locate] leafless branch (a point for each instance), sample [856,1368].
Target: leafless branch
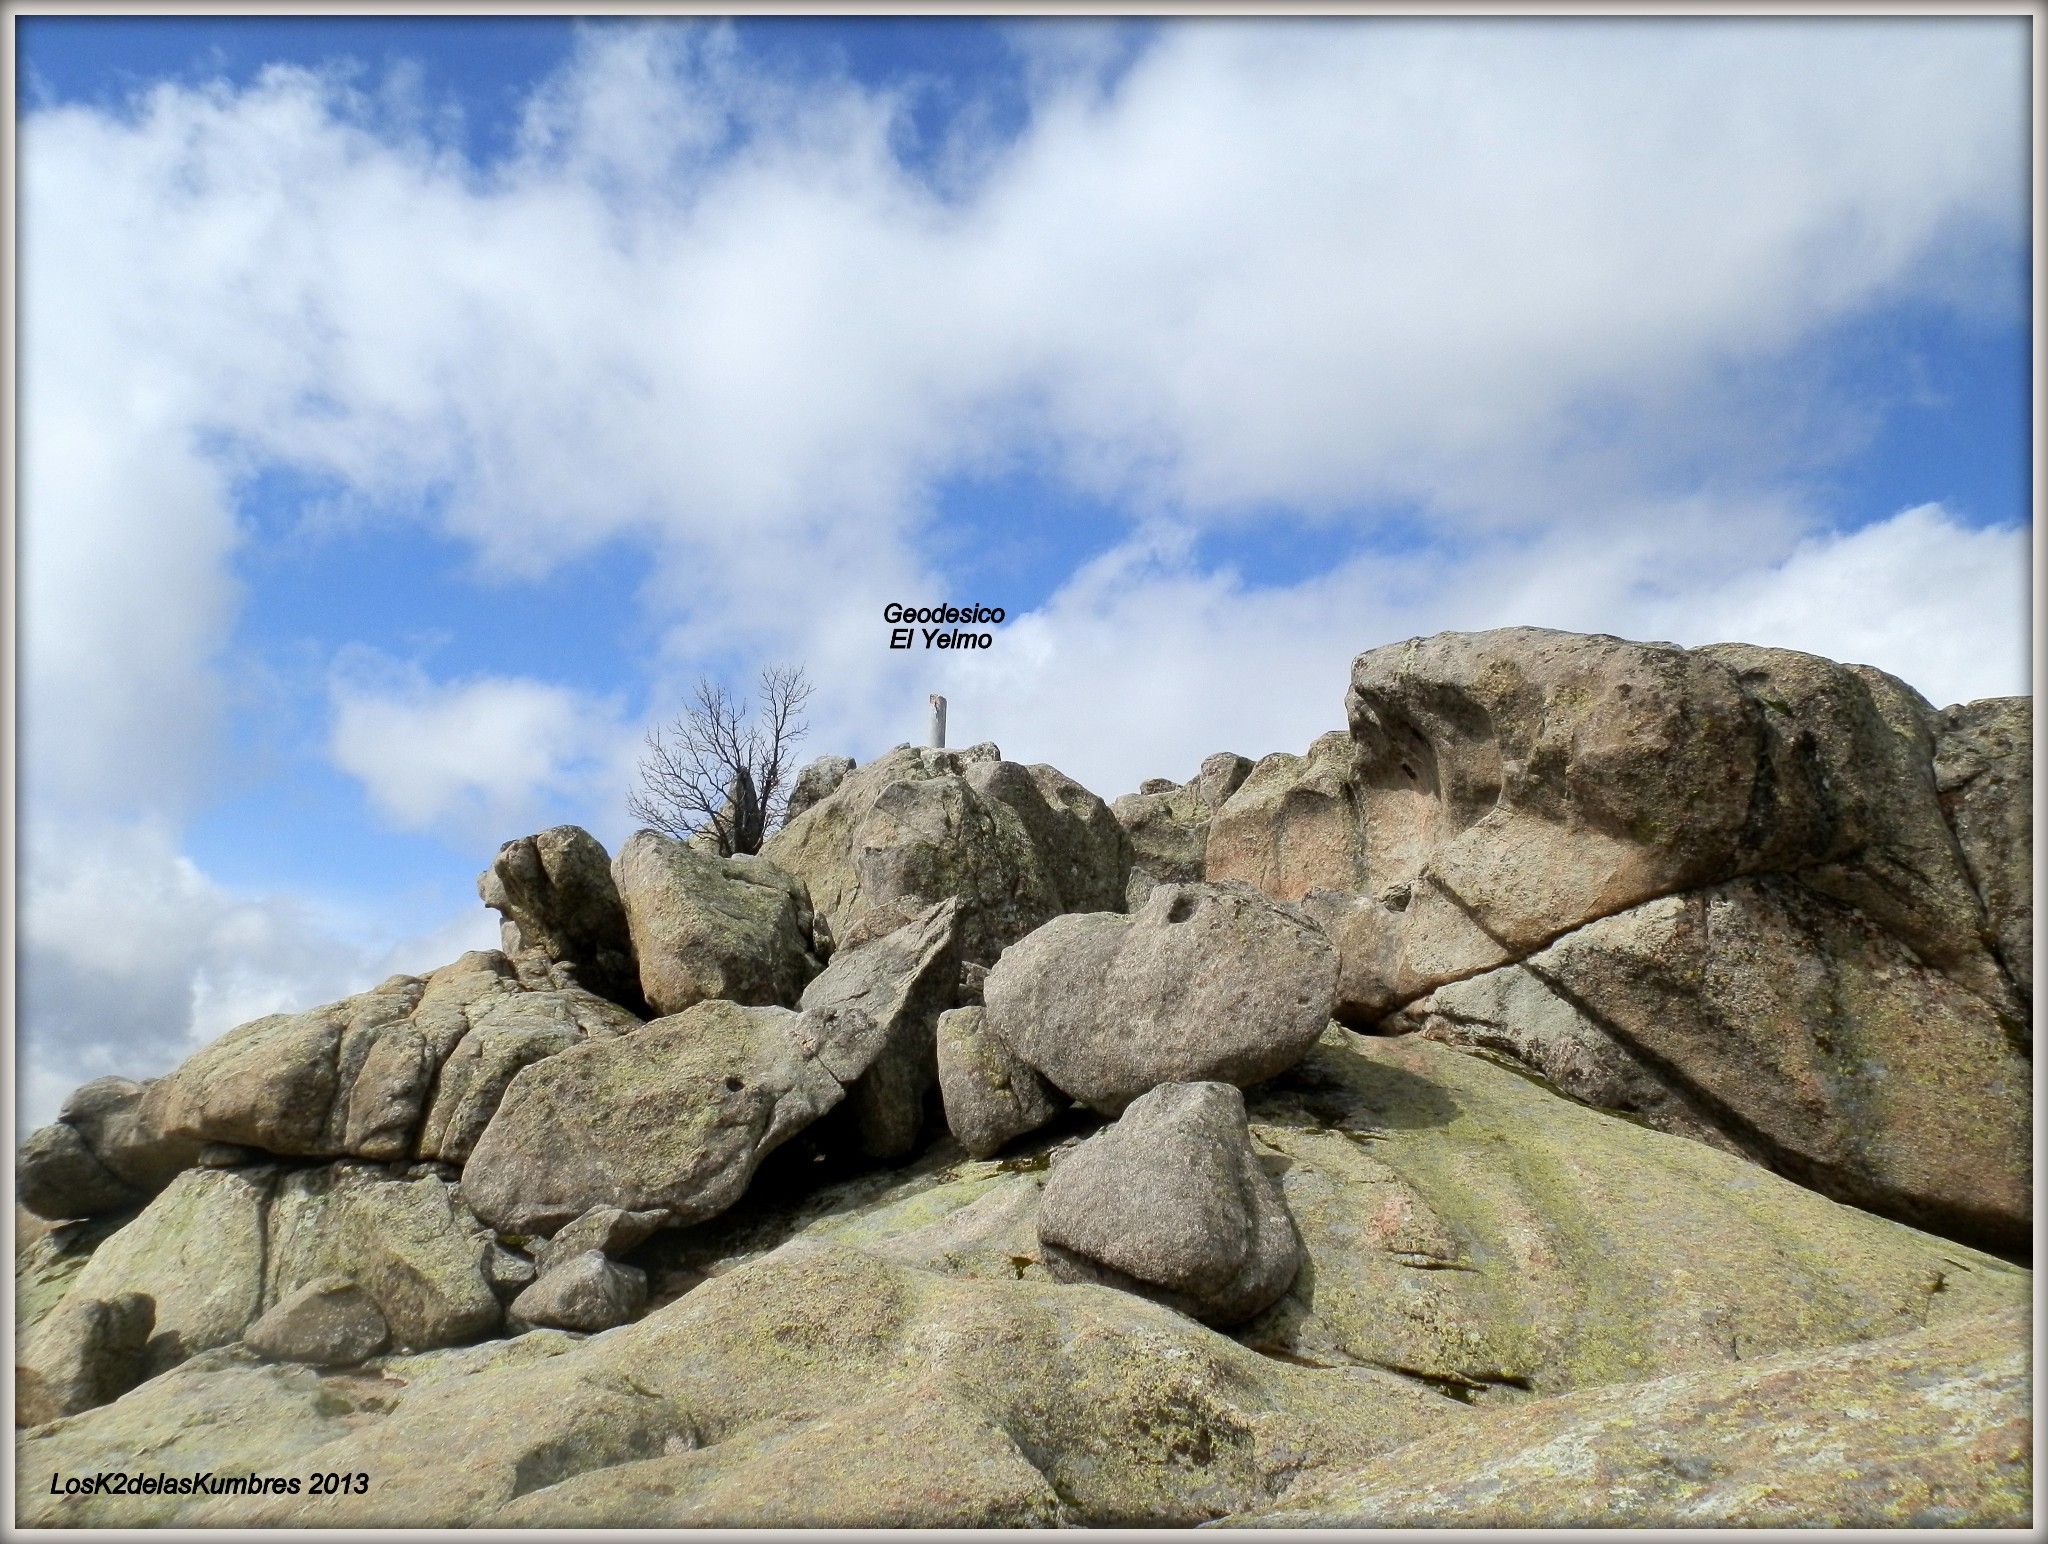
[714,770]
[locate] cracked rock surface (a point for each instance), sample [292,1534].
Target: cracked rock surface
[1592,1088]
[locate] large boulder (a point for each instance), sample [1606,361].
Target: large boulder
[358,1078]
[510,1033]
[117,1121]
[1017,845]
[990,1096]
[1857,813]
[1171,1203]
[1778,1023]
[706,927]
[563,921]
[1926,1429]
[1984,774]
[57,1176]
[89,1351]
[816,781]
[1506,787]
[873,1015]
[675,1116]
[1207,982]
[410,1244]
[105,1152]
[1291,826]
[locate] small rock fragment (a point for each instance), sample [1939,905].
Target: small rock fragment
[508,1271]
[610,1230]
[588,1293]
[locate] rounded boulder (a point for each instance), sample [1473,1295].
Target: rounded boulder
[1205,983]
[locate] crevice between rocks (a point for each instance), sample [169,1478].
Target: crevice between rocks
[1978,1228]
[1513,957]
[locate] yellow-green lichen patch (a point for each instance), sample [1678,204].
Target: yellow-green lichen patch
[1925,1429]
[1496,1234]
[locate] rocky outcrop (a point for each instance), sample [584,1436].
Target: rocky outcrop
[1473,1243]
[1681,1127]
[1500,794]
[224,1411]
[1929,1429]
[358,1078]
[1207,982]
[1467,1226]
[990,1096]
[1168,824]
[824,1386]
[563,922]
[1017,845]
[818,780]
[1773,1021]
[872,1017]
[675,1117]
[708,928]
[219,1247]
[1984,776]
[1511,786]
[1171,1203]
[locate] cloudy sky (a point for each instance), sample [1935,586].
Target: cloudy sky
[413,410]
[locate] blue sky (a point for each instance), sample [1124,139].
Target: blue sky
[415,408]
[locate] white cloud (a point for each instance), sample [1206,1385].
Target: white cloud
[1942,606]
[1317,263]
[1143,665]
[130,956]
[478,757]
[1499,273]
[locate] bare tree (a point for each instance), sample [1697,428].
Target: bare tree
[719,770]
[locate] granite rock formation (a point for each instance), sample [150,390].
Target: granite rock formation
[1596,1047]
